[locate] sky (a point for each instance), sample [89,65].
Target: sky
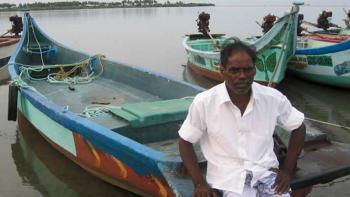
[344,3]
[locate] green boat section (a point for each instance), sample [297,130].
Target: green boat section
[152,113]
[275,48]
[320,60]
[330,68]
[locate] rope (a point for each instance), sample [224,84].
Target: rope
[215,42]
[36,39]
[63,76]
[18,81]
[328,123]
[94,110]
[286,36]
[8,31]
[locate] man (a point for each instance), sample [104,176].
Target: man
[234,122]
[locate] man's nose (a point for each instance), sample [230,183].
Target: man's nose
[242,74]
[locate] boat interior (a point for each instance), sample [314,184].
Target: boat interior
[304,43]
[140,105]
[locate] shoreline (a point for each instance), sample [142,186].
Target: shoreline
[102,7]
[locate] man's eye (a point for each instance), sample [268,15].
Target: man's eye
[248,69]
[234,70]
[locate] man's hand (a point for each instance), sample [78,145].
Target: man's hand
[203,190]
[189,158]
[282,181]
[296,143]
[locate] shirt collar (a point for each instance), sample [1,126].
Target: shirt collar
[225,97]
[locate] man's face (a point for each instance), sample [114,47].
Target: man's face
[239,72]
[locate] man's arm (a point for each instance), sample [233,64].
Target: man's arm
[296,143]
[189,158]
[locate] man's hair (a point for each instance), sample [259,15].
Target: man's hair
[236,46]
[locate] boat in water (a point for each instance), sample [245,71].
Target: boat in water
[274,48]
[119,122]
[47,171]
[8,44]
[321,61]
[323,56]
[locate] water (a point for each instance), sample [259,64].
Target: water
[149,37]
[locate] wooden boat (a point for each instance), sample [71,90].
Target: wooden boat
[131,140]
[49,172]
[125,149]
[7,46]
[275,48]
[322,61]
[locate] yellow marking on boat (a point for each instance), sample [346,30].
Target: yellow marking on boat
[162,189]
[94,152]
[123,170]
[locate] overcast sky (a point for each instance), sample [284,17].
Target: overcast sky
[344,3]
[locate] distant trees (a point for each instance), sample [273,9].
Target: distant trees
[94,4]
[7,5]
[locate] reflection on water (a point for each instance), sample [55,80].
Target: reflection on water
[321,102]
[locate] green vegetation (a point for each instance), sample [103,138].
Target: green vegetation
[94,4]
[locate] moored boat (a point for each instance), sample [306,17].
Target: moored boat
[7,46]
[119,122]
[275,48]
[323,62]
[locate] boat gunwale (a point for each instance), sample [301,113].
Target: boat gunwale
[335,48]
[7,41]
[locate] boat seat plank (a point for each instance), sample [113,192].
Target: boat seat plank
[145,114]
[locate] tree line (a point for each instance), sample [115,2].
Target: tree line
[95,4]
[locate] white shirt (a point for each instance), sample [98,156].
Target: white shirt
[232,143]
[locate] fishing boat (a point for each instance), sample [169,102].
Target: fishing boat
[7,46]
[274,48]
[324,62]
[49,172]
[119,122]
[323,57]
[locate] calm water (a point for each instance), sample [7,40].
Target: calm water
[149,37]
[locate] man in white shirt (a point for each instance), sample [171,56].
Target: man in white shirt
[234,123]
